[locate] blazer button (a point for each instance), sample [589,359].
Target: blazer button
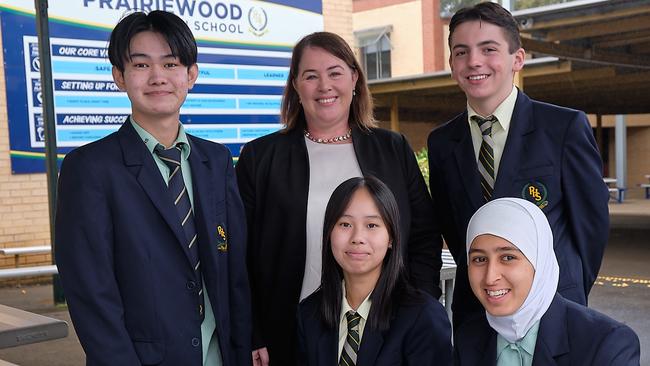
[200,309]
[191,285]
[196,342]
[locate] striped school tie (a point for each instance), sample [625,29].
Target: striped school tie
[486,155]
[176,188]
[352,341]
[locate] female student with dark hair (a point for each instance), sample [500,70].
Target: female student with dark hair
[365,313]
[514,273]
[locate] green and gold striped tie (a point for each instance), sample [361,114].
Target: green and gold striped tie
[181,199]
[486,155]
[352,341]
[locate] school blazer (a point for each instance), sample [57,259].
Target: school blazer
[130,287]
[569,334]
[419,335]
[273,177]
[551,159]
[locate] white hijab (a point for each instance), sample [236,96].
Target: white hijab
[524,225]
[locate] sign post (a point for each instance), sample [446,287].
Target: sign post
[51,167]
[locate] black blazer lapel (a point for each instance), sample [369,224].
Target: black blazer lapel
[521,124]
[360,143]
[298,169]
[489,353]
[553,334]
[466,160]
[204,188]
[138,160]
[328,348]
[476,343]
[371,343]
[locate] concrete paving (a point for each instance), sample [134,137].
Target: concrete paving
[622,292]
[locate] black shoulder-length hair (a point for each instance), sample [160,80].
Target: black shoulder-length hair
[392,280]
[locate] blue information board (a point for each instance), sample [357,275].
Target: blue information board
[244,55]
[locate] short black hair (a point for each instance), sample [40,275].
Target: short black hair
[392,280]
[177,34]
[492,13]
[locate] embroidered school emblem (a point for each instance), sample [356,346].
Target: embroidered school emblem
[536,193]
[222,239]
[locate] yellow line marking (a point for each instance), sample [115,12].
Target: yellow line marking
[615,281]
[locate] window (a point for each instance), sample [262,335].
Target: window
[375,47]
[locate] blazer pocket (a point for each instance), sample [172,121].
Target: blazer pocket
[535,172]
[149,352]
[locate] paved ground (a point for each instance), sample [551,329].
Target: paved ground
[622,292]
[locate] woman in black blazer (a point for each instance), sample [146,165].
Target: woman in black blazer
[514,273]
[365,313]
[286,178]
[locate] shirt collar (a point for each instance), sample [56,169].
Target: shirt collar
[151,141]
[363,310]
[503,112]
[527,343]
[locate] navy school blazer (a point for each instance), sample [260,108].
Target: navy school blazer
[551,159]
[130,287]
[569,334]
[419,335]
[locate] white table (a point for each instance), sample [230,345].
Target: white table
[646,187]
[614,191]
[447,277]
[18,327]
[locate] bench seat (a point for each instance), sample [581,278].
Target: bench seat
[26,250]
[646,186]
[28,271]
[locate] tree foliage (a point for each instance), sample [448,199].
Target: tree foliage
[422,157]
[449,7]
[526,4]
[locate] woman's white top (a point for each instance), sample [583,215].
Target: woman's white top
[329,166]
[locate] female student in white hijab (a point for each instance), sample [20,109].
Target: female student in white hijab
[514,273]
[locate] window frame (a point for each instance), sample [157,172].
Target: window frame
[379,37]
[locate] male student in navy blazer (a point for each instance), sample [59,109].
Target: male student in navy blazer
[541,152]
[139,290]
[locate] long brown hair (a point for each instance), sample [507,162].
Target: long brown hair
[361,109]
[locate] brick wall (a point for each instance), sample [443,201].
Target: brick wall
[23,199]
[337,16]
[406,37]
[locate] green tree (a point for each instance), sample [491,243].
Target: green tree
[449,7]
[423,162]
[527,4]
